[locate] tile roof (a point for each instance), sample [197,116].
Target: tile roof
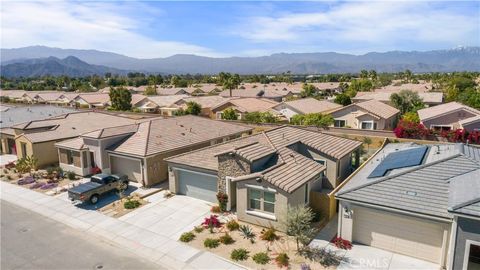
[427,97]
[21,114]
[170,91]
[291,171]
[70,125]
[94,98]
[254,93]
[249,104]
[376,107]
[161,135]
[112,131]
[415,87]
[442,179]
[436,111]
[206,101]
[166,101]
[75,143]
[136,98]
[311,105]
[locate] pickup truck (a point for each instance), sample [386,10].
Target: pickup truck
[99,184]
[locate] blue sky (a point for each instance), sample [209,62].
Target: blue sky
[159,29]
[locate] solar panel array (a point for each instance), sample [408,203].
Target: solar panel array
[400,159]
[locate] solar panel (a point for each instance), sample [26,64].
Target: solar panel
[400,159]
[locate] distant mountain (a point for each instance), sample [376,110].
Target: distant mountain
[71,66]
[458,59]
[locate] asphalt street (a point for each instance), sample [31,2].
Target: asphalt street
[32,241]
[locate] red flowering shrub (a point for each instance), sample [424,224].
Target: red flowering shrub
[96,170]
[10,165]
[222,201]
[461,135]
[341,243]
[411,130]
[212,222]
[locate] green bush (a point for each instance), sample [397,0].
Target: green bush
[269,234]
[226,239]
[282,260]
[239,254]
[211,243]
[70,175]
[261,258]
[131,204]
[199,229]
[233,225]
[187,237]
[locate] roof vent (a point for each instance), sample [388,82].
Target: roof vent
[183,134]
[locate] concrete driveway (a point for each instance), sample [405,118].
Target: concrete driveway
[169,217]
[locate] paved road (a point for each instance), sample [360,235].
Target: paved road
[31,241]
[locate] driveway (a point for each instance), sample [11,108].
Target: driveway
[5,159]
[366,257]
[169,217]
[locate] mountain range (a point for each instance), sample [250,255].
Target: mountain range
[32,58]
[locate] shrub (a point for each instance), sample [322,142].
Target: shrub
[50,170]
[187,237]
[131,204]
[5,171]
[37,185]
[9,177]
[261,258]
[49,186]
[232,225]
[299,224]
[212,222]
[282,260]
[239,254]
[341,243]
[70,175]
[198,229]
[222,201]
[247,233]
[215,209]
[211,243]
[26,180]
[226,239]
[323,256]
[269,235]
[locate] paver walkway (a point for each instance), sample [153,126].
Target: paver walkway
[155,239]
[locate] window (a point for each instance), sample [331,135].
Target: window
[261,200]
[307,191]
[69,157]
[339,123]
[24,149]
[472,255]
[367,125]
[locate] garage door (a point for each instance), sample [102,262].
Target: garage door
[129,167]
[200,186]
[410,236]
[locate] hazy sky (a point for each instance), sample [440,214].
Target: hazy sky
[157,29]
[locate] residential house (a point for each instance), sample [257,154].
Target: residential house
[138,150]
[15,115]
[242,106]
[450,116]
[48,97]
[66,99]
[305,106]
[38,137]
[165,105]
[396,86]
[171,91]
[428,98]
[13,95]
[265,173]
[137,100]
[370,114]
[91,100]
[206,102]
[421,201]
[274,95]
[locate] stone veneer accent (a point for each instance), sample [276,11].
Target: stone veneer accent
[231,165]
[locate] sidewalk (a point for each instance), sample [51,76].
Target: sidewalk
[145,243]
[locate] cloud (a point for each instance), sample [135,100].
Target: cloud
[386,24]
[109,26]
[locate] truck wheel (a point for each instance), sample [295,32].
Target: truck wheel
[94,199]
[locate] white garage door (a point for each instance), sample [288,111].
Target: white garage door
[200,186]
[410,236]
[125,166]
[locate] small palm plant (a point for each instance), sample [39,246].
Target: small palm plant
[247,233]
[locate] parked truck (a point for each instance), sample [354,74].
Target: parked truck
[99,184]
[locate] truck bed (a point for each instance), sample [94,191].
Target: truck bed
[84,187]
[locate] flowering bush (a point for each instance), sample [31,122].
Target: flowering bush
[96,170]
[49,186]
[222,201]
[37,185]
[212,222]
[461,135]
[411,130]
[341,243]
[25,181]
